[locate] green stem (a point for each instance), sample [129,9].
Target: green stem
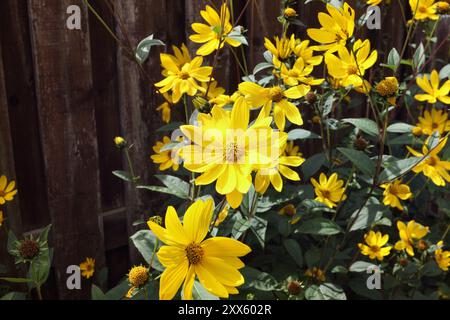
[130,165]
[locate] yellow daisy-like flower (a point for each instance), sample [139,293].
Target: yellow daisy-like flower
[423,9]
[431,87]
[303,50]
[225,100]
[375,245]
[436,120]
[292,150]
[374,2]
[7,191]
[215,33]
[329,191]
[442,257]
[351,66]
[432,167]
[443,7]
[166,159]
[186,254]
[408,235]
[273,174]
[180,57]
[394,191]
[213,89]
[222,216]
[166,108]
[281,49]
[299,74]
[258,96]
[336,27]
[88,268]
[225,149]
[183,80]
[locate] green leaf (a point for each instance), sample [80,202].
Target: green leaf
[400,127]
[258,280]
[328,106]
[240,226]
[259,229]
[339,269]
[445,72]
[178,186]
[431,269]
[97,293]
[124,175]
[313,164]
[294,250]
[145,241]
[394,58]
[361,266]
[360,160]
[365,125]
[17,280]
[368,217]
[319,226]
[144,47]
[119,291]
[419,57]
[40,268]
[200,293]
[262,66]
[163,190]
[14,296]
[396,169]
[326,291]
[43,236]
[236,34]
[301,134]
[170,127]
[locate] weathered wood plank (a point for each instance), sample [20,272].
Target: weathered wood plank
[69,137]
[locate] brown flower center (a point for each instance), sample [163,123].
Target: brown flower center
[233,153]
[352,69]
[194,253]
[184,75]
[422,9]
[276,94]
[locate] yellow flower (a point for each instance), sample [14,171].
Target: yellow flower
[180,57]
[289,211]
[215,33]
[442,7]
[183,80]
[304,51]
[120,142]
[225,100]
[273,173]
[299,74]
[387,87]
[1,218]
[336,27]
[375,246]
[395,191]
[187,255]
[423,9]
[290,12]
[165,108]
[374,2]
[88,268]
[316,274]
[258,96]
[329,191]
[222,216]
[167,159]
[281,50]
[442,257]
[292,150]
[409,234]
[155,219]
[225,149]
[7,191]
[351,66]
[432,167]
[138,276]
[431,87]
[213,91]
[436,120]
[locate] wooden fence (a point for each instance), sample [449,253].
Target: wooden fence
[65,94]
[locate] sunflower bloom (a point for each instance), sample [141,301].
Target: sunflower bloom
[306,52]
[336,28]
[212,88]
[431,87]
[166,159]
[394,192]
[281,49]
[442,257]
[432,167]
[351,66]
[299,74]
[186,254]
[329,191]
[225,100]
[87,268]
[225,149]
[183,80]
[7,191]
[180,57]
[375,246]
[214,35]
[409,234]
[258,96]
[436,120]
[423,9]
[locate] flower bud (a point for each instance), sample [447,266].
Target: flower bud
[290,13]
[120,142]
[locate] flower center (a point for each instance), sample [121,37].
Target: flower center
[423,9]
[2,193]
[326,194]
[194,253]
[184,75]
[352,69]
[233,152]
[434,125]
[432,161]
[276,94]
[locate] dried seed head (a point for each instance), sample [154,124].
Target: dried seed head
[29,249]
[294,288]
